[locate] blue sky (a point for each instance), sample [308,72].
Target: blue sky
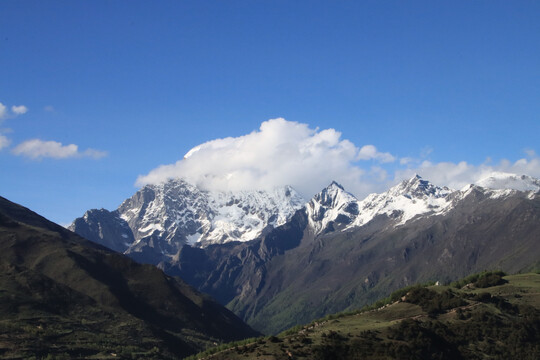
[447,89]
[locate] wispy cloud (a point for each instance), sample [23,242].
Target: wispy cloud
[4,142]
[19,110]
[16,110]
[3,111]
[38,149]
[530,152]
[94,154]
[369,152]
[405,160]
[458,175]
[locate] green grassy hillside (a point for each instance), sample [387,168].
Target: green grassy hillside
[64,297]
[482,317]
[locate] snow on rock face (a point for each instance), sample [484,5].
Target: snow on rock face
[178,213]
[332,207]
[505,181]
[166,216]
[500,185]
[244,215]
[416,196]
[404,201]
[104,227]
[168,210]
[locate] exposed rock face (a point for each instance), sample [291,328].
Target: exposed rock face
[331,209]
[105,228]
[335,209]
[154,224]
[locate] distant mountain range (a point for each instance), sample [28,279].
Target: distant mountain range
[62,296]
[158,220]
[277,261]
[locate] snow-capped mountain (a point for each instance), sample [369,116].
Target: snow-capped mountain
[505,181]
[169,215]
[341,251]
[498,185]
[331,209]
[404,201]
[334,208]
[334,248]
[104,227]
[158,220]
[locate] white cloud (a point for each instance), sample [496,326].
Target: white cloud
[19,110]
[378,174]
[458,175]
[426,151]
[15,111]
[405,160]
[281,152]
[369,152]
[530,152]
[289,153]
[38,149]
[3,111]
[93,153]
[4,142]
[49,108]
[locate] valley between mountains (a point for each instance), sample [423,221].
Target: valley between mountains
[277,260]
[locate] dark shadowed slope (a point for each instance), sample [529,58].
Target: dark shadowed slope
[61,294]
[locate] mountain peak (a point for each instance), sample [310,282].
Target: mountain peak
[332,207]
[404,201]
[417,187]
[167,215]
[335,184]
[333,195]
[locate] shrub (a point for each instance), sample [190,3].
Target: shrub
[482,280]
[432,302]
[490,279]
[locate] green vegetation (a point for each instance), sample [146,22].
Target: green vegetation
[64,297]
[432,302]
[481,280]
[219,348]
[45,325]
[492,319]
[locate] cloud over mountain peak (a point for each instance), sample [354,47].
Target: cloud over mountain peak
[280,153]
[283,152]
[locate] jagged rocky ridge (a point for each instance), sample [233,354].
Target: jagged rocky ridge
[334,208]
[158,220]
[339,252]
